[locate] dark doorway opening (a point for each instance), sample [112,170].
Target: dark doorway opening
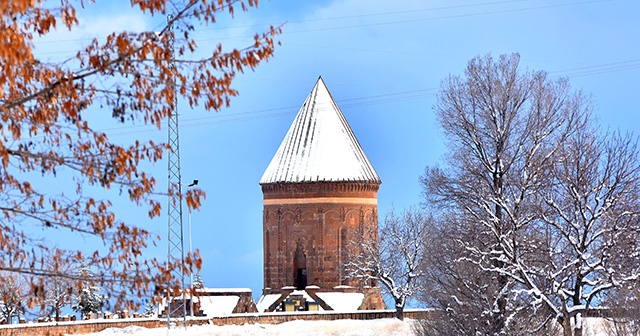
[300,266]
[301,282]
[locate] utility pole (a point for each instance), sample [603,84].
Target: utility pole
[175,231]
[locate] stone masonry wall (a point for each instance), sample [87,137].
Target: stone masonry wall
[93,326]
[310,226]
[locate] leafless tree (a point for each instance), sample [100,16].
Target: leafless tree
[463,294]
[394,260]
[57,292]
[591,212]
[49,291]
[625,318]
[13,292]
[454,287]
[545,199]
[503,126]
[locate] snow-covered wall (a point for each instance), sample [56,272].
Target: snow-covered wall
[92,326]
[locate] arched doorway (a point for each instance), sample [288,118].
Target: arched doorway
[300,266]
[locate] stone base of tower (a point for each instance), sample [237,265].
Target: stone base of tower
[314,298]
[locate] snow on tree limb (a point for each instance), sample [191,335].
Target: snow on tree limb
[551,200]
[395,259]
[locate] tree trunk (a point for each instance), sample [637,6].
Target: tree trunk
[569,326]
[400,312]
[566,326]
[498,180]
[498,320]
[577,330]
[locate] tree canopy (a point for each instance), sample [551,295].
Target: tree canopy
[48,132]
[538,201]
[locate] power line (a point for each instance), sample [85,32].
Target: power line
[599,68]
[413,11]
[356,101]
[443,17]
[218,38]
[277,112]
[361,101]
[320,19]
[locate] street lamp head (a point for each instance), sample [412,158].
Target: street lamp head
[195,182]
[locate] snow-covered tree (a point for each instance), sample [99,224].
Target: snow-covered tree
[13,292]
[625,318]
[57,294]
[88,299]
[54,291]
[463,294]
[547,203]
[502,127]
[197,281]
[591,215]
[394,260]
[150,309]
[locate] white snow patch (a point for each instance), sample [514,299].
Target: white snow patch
[130,330]
[596,326]
[224,290]
[304,294]
[218,305]
[381,327]
[342,287]
[266,301]
[342,302]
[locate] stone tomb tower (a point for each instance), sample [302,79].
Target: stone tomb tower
[320,195]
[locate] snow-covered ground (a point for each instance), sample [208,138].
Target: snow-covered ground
[382,327]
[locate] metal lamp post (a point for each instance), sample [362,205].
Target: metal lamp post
[193,183]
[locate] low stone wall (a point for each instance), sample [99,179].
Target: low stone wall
[78,327]
[92,326]
[277,318]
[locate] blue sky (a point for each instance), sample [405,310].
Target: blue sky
[383,62]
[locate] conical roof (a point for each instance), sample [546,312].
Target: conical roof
[319,146]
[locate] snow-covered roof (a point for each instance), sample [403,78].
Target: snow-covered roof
[304,294]
[218,305]
[342,302]
[319,146]
[224,290]
[266,301]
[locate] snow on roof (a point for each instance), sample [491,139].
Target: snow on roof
[342,287]
[304,294]
[224,290]
[319,146]
[218,305]
[266,301]
[342,302]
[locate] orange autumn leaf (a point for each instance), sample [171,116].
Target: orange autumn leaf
[46,130]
